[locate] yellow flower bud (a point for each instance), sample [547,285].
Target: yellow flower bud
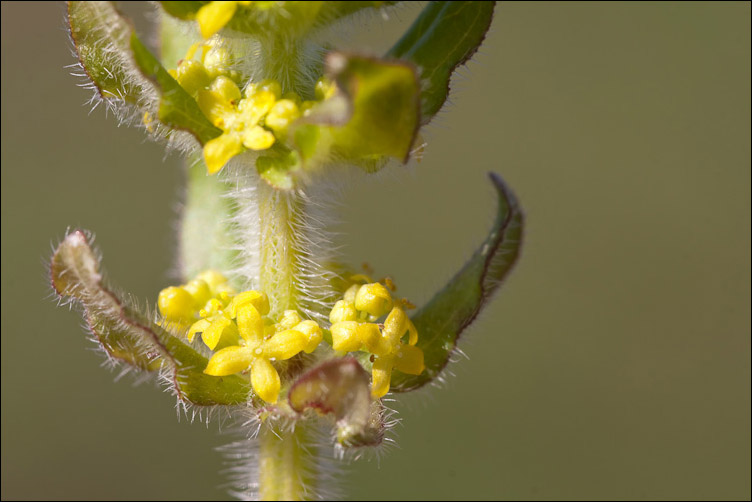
[217,62]
[343,311]
[215,280]
[199,290]
[226,89]
[351,292]
[289,319]
[373,298]
[270,86]
[176,304]
[192,76]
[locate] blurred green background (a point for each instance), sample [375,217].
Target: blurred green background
[614,363]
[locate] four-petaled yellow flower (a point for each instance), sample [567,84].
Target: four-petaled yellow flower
[259,345]
[353,328]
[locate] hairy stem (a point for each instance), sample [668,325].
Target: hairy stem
[279,265]
[205,242]
[286,464]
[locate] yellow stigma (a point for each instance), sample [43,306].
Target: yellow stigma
[354,329]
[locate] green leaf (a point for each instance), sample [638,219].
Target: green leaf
[444,36]
[122,68]
[176,107]
[441,322]
[374,114]
[100,38]
[130,336]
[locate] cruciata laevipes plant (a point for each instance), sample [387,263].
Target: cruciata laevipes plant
[268,326]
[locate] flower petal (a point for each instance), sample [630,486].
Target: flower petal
[250,325]
[220,333]
[198,327]
[265,380]
[285,344]
[381,375]
[229,360]
[220,150]
[373,340]
[409,360]
[313,333]
[395,325]
[256,298]
[344,336]
[213,16]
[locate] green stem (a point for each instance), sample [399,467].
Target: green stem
[205,241]
[286,464]
[280,214]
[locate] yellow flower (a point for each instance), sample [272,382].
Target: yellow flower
[353,328]
[257,344]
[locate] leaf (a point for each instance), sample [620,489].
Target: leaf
[129,336]
[443,319]
[122,68]
[100,37]
[374,114]
[444,36]
[176,107]
[341,388]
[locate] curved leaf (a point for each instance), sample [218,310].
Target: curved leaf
[122,69]
[374,113]
[443,319]
[176,107]
[444,36]
[129,336]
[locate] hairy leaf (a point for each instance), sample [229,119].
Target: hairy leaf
[131,337]
[100,37]
[443,319]
[444,36]
[374,114]
[176,107]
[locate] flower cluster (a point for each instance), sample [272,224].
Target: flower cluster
[237,327]
[354,328]
[254,119]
